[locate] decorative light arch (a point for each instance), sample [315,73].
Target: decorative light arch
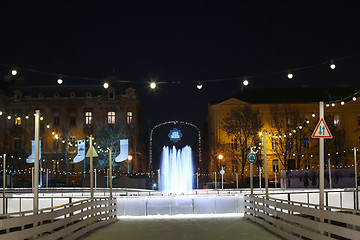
[167,123]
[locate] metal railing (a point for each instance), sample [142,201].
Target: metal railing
[299,220]
[68,221]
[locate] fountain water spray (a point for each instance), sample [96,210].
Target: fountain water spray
[176,174]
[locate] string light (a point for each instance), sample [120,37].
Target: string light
[14,72]
[60,81]
[342,102]
[246,82]
[152,85]
[106,85]
[354,98]
[290,75]
[199,85]
[332,64]
[1,113]
[333,104]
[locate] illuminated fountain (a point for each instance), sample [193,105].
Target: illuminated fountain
[176,173]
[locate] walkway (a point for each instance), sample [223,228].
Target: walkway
[150,228]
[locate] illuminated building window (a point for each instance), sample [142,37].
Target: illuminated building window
[275,165]
[111,118]
[17,121]
[88,118]
[336,120]
[306,143]
[129,117]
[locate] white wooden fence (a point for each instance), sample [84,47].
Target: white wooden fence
[299,220]
[68,221]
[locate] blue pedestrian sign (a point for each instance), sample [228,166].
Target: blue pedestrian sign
[251,158]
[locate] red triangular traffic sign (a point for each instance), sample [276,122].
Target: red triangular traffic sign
[321,130]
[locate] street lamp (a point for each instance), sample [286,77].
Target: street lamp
[221,157]
[128,162]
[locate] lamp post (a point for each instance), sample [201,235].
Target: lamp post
[128,162]
[221,157]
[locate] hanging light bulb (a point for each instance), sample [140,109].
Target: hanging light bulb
[313,114]
[246,82]
[354,98]
[290,75]
[1,113]
[332,64]
[47,125]
[199,85]
[60,81]
[14,72]
[327,105]
[27,116]
[106,85]
[342,102]
[333,104]
[152,85]
[9,117]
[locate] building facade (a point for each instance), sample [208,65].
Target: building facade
[69,114]
[289,118]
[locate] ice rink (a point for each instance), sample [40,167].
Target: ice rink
[182,227]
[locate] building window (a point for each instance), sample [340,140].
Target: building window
[72,141]
[17,121]
[233,144]
[111,117]
[72,120]
[306,143]
[111,95]
[56,120]
[275,165]
[274,144]
[88,118]
[336,120]
[17,143]
[307,163]
[129,117]
[17,95]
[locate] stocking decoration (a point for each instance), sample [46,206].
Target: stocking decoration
[124,151]
[81,151]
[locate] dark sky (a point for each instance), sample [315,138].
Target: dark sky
[179,41]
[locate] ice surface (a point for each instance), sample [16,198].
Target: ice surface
[182,228]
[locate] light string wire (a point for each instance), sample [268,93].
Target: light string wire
[246,76]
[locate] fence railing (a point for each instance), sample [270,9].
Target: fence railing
[299,220]
[68,221]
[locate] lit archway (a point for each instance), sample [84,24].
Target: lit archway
[167,123]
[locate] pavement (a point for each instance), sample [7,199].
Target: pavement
[181,228]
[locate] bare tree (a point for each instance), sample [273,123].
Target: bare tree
[290,135]
[108,135]
[242,125]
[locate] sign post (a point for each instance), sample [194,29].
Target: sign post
[90,154]
[356,184]
[4,185]
[251,158]
[321,131]
[222,172]
[265,165]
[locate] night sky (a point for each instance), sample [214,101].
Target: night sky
[186,42]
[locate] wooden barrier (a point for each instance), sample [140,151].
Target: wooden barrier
[297,220]
[68,221]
